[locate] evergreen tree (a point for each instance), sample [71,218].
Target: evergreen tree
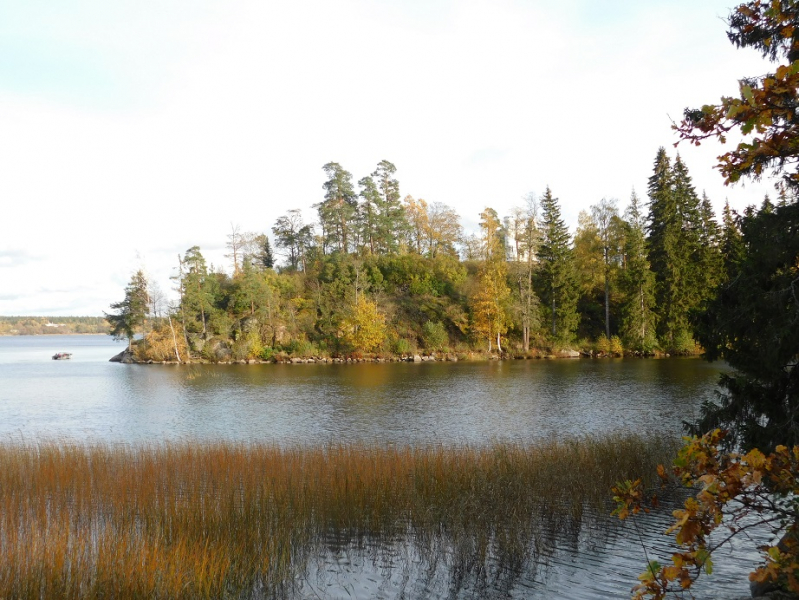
[637,283]
[710,260]
[196,292]
[337,211]
[265,258]
[131,313]
[369,214]
[675,230]
[391,222]
[751,324]
[732,244]
[558,283]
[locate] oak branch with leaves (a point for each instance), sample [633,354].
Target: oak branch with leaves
[737,492]
[766,111]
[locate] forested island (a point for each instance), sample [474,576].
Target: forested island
[43,325]
[381,275]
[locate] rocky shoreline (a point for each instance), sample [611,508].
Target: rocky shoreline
[128,357]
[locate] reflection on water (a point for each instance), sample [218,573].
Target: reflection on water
[398,403]
[593,557]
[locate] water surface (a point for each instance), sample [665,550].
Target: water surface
[89,399]
[398,403]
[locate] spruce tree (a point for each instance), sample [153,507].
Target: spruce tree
[751,324]
[558,280]
[675,255]
[711,262]
[637,283]
[664,239]
[266,257]
[732,244]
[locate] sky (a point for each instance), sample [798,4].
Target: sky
[131,131]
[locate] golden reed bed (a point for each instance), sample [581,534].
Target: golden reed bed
[219,520]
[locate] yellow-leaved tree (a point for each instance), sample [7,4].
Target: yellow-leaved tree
[488,304]
[365,329]
[489,317]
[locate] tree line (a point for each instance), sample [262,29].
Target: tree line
[379,273]
[28,325]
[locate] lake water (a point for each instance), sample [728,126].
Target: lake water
[89,399]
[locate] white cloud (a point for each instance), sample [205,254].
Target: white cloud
[226,113]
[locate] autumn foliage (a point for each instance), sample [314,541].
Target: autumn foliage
[736,492]
[765,110]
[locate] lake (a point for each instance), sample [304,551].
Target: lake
[88,399]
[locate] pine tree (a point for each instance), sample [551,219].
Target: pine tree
[196,298]
[131,313]
[368,214]
[558,282]
[391,222]
[337,211]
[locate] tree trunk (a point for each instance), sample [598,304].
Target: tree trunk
[643,317]
[174,338]
[607,297]
[607,307]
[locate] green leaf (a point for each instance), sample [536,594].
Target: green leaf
[746,90]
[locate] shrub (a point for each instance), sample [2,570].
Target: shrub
[602,344]
[435,336]
[616,346]
[684,343]
[403,346]
[159,344]
[300,348]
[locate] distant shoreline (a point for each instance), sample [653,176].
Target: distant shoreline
[47,334]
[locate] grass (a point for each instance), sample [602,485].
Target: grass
[219,520]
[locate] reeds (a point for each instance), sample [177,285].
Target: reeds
[220,520]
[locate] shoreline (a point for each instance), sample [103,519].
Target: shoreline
[127,357]
[47,334]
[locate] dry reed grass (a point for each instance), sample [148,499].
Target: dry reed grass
[219,520]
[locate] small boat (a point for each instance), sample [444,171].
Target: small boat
[62,356]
